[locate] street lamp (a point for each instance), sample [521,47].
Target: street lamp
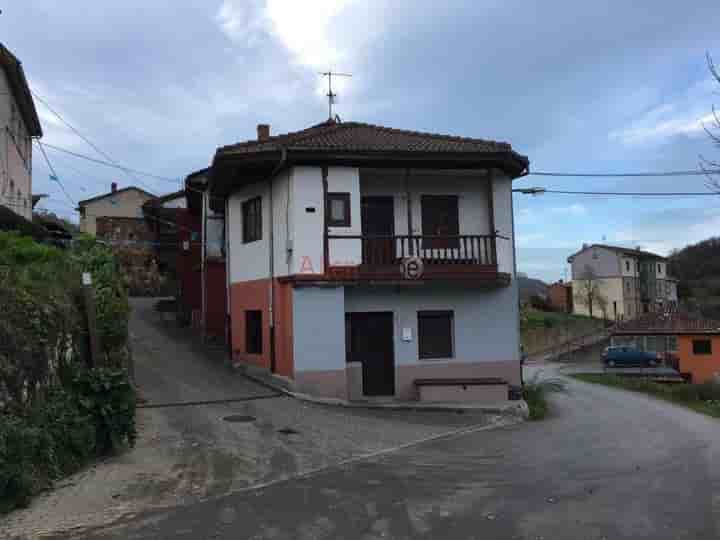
[530,191]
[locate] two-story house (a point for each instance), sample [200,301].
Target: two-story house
[117,215]
[625,282]
[366,261]
[19,123]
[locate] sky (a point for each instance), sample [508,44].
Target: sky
[577,86]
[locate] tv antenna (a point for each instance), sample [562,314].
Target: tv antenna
[330,95]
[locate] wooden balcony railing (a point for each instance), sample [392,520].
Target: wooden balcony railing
[463,249]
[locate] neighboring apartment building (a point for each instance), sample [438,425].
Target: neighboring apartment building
[116,216]
[628,282]
[366,261]
[19,123]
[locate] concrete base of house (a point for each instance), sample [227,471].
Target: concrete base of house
[515,408]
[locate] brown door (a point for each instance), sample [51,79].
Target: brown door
[440,217]
[378,220]
[371,343]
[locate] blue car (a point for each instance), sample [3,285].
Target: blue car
[629,357]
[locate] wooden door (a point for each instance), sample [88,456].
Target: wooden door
[378,219]
[371,343]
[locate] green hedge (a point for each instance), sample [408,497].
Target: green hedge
[55,413]
[94,416]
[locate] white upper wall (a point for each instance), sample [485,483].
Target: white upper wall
[15,154]
[298,216]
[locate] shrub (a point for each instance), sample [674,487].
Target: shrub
[535,392]
[63,431]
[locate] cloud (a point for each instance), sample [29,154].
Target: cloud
[303,28]
[684,116]
[572,210]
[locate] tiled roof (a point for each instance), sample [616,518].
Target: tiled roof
[623,250]
[668,323]
[112,193]
[359,137]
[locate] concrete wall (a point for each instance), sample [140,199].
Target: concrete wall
[15,155]
[121,204]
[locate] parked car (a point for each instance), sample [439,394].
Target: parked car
[628,356]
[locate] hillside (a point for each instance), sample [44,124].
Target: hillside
[531,287]
[698,268]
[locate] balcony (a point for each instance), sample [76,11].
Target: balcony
[469,258]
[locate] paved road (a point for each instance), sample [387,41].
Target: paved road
[188,453]
[607,464]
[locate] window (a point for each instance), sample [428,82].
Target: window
[595,254]
[338,209]
[252,220]
[702,346]
[253,332]
[659,269]
[627,285]
[440,217]
[435,334]
[627,266]
[672,343]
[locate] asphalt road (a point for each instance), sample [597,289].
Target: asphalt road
[607,464]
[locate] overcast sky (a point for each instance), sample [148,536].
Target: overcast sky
[577,86]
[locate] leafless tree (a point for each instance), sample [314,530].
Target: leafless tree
[709,166]
[588,292]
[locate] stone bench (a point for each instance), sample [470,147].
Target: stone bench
[472,389]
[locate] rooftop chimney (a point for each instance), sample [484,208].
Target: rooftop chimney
[113,187]
[263,132]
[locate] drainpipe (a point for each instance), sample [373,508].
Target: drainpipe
[278,167]
[203,273]
[326,245]
[228,308]
[515,281]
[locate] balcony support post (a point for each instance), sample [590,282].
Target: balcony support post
[409,214]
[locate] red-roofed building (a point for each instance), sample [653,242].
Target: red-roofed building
[366,261]
[692,345]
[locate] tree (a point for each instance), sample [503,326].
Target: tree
[710,166]
[588,292]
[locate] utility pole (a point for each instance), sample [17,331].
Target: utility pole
[89,295]
[331,95]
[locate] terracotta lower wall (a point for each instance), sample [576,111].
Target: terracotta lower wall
[255,295]
[702,367]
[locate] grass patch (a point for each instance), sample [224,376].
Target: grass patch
[535,394]
[703,398]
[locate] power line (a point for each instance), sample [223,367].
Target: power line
[84,138]
[52,170]
[631,193]
[620,175]
[109,164]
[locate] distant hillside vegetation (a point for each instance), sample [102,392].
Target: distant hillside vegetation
[698,268]
[531,287]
